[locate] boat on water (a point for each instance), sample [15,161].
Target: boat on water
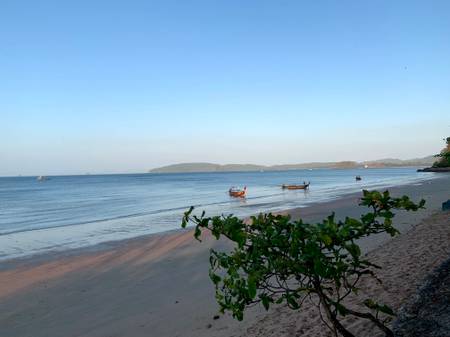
[303,186]
[358,178]
[237,192]
[41,178]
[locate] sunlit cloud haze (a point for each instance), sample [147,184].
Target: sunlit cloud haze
[110,87]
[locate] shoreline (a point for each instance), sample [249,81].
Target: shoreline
[158,285]
[308,209]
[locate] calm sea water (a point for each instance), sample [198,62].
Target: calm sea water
[68,212]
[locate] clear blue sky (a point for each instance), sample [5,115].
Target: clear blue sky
[124,86]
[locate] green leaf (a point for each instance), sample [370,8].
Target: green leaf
[379,307]
[265,300]
[354,250]
[251,283]
[340,308]
[327,239]
[215,278]
[197,233]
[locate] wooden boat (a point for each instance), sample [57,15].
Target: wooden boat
[237,193]
[303,186]
[358,178]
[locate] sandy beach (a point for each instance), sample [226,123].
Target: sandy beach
[158,285]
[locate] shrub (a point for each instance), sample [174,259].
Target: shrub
[276,260]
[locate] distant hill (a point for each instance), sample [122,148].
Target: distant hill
[389,162]
[210,167]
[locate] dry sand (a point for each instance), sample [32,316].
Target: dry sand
[159,286]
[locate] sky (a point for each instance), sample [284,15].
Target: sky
[125,86]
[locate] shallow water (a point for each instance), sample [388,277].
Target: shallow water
[67,212]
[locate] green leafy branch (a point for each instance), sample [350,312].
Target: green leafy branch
[276,260]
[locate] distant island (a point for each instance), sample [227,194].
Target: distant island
[210,167]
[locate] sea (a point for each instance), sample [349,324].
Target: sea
[69,212]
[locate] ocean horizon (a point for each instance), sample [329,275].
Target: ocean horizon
[68,212]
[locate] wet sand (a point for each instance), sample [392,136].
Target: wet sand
[158,285]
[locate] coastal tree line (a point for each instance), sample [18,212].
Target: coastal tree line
[444,156]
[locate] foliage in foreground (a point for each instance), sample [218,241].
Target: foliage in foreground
[444,156]
[276,260]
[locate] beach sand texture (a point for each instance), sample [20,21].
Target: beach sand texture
[158,285]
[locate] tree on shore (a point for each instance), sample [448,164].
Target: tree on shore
[276,260]
[444,156]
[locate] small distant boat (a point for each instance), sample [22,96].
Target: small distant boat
[358,178]
[303,186]
[41,178]
[236,192]
[366,166]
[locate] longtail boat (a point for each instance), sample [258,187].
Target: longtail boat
[303,186]
[236,192]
